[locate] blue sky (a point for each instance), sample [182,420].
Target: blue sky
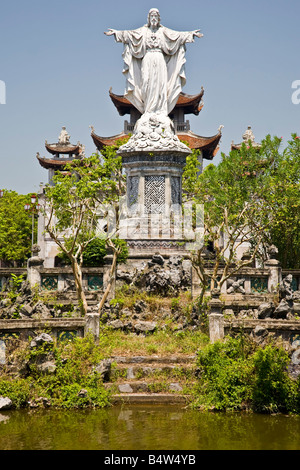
[58,66]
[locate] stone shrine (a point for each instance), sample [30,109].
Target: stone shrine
[156,139]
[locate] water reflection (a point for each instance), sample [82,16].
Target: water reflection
[146,428]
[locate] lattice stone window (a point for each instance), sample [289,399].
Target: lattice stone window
[295,283]
[49,282]
[154,194]
[259,284]
[95,282]
[66,335]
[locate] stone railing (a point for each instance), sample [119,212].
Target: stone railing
[6,276]
[248,281]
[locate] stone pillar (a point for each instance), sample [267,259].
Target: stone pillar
[106,276]
[274,267]
[215,318]
[33,268]
[92,324]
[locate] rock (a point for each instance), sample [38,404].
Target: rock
[295,344]
[116,324]
[175,387]
[296,296]
[142,387]
[47,367]
[42,339]
[296,308]
[82,393]
[259,334]
[104,369]
[41,401]
[5,403]
[285,288]
[175,260]
[296,357]
[145,326]
[26,309]
[139,306]
[41,310]
[294,371]
[158,259]
[130,373]
[125,276]
[265,310]
[5,303]
[25,288]
[125,388]
[282,310]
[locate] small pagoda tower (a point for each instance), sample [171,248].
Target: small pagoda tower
[61,153]
[247,136]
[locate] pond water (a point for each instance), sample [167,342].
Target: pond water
[145,427]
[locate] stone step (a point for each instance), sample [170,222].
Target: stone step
[153,387]
[154,359]
[133,372]
[150,398]
[159,382]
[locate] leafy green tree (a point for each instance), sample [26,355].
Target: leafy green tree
[285,201]
[77,203]
[15,228]
[235,195]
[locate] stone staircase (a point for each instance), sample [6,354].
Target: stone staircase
[152,379]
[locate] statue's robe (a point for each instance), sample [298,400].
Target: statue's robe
[154,67]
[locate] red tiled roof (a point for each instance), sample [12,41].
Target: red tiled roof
[55,163]
[208,145]
[190,103]
[63,148]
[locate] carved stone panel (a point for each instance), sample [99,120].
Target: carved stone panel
[175,189]
[133,190]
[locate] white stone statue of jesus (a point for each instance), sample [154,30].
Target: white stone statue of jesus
[154,58]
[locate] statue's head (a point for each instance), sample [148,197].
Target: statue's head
[153,17]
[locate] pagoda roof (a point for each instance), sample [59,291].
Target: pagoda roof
[239,146]
[67,148]
[189,103]
[248,138]
[54,163]
[208,145]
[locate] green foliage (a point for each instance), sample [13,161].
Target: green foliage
[190,173]
[225,373]
[284,198]
[236,374]
[273,390]
[74,373]
[17,390]
[96,250]
[15,228]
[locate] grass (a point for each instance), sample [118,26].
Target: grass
[160,343]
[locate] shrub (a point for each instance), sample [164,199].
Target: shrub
[273,389]
[237,374]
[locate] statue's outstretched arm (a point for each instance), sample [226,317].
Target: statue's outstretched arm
[120,36]
[197,33]
[110,32]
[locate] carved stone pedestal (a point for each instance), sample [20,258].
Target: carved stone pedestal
[153,208]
